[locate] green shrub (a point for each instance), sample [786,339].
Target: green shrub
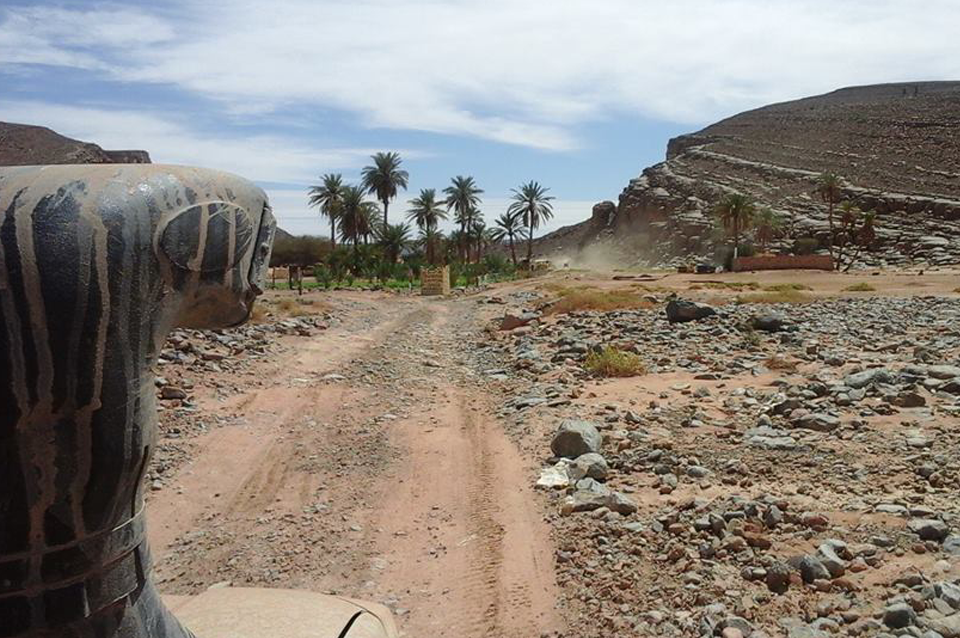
[613,362]
[805,246]
[860,287]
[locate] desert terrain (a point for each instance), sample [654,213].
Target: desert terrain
[785,466]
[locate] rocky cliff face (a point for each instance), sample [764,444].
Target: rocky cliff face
[896,145]
[25,145]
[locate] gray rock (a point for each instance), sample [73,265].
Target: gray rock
[951,544]
[947,626]
[512,321]
[575,438]
[778,577]
[868,377]
[681,310]
[899,616]
[818,422]
[590,464]
[812,569]
[928,529]
[833,563]
[768,322]
[944,372]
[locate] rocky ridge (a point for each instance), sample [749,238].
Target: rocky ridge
[895,144]
[27,145]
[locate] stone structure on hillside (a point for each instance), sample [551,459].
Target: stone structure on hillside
[898,152]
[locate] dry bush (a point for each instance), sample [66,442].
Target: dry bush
[613,362]
[291,307]
[786,287]
[777,362]
[860,287]
[780,296]
[573,299]
[731,285]
[258,314]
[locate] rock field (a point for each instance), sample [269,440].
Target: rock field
[781,470]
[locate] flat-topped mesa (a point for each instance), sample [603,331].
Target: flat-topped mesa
[896,146]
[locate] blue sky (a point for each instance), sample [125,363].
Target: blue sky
[580,95]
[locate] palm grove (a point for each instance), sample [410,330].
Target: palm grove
[359,218]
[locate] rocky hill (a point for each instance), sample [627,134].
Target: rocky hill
[26,145]
[896,145]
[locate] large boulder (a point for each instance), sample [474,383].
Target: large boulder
[681,310]
[575,438]
[769,322]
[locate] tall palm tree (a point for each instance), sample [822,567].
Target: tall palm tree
[736,212]
[532,203]
[328,196]
[830,188]
[426,211]
[393,238]
[767,223]
[508,226]
[384,178]
[356,217]
[463,198]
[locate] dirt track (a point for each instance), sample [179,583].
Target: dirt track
[368,463]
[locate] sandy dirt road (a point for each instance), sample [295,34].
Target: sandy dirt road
[370,464]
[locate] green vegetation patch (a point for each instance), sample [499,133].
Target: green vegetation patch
[613,362]
[860,287]
[574,299]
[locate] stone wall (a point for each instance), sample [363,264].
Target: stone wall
[784,262]
[435,281]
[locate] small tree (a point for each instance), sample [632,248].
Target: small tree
[830,189]
[508,226]
[767,224]
[383,178]
[856,232]
[328,197]
[532,203]
[736,212]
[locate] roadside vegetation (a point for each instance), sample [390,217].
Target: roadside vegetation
[613,362]
[586,298]
[366,249]
[860,287]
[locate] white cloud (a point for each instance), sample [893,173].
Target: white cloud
[263,158]
[518,72]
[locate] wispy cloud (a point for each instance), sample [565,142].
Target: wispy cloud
[523,73]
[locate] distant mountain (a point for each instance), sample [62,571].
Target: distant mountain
[896,145]
[26,145]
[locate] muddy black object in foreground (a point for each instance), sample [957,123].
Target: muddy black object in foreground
[97,264]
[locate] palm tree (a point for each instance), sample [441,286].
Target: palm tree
[393,238]
[425,211]
[356,217]
[430,237]
[767,223]
[830,188]
[328,196]
[508,226]
[736,212]
[463,197]
[532,203]
[477,233]
[384,178]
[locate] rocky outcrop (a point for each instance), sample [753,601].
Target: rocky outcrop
[896,145]
[26,145]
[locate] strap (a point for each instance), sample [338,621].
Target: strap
[62,565]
